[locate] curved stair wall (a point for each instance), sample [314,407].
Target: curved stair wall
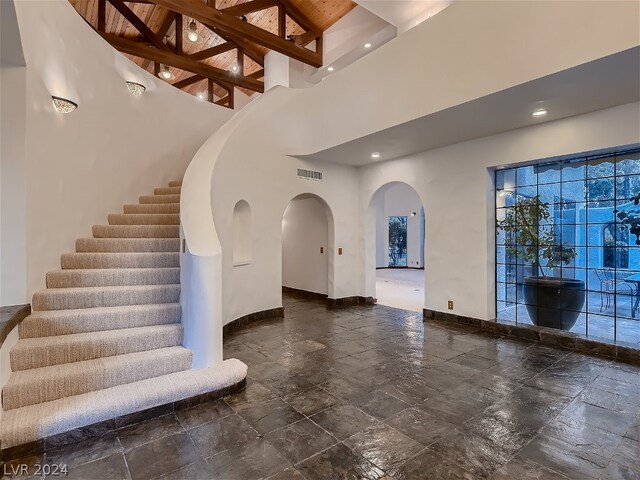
[77,166]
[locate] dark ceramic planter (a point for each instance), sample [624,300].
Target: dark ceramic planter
[554,302]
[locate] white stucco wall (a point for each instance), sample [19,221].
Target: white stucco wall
[305,230]
[113,148]
[252,157]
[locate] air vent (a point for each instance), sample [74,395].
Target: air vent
[309,174]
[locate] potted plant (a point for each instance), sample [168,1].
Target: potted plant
[551,301]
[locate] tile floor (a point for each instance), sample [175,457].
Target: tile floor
[373,393]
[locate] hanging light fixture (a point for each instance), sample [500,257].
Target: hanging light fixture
[62,105]
[192,33]
[166,73]
[136,89]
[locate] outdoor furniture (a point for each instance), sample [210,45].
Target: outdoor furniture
[609,286]
[635,281]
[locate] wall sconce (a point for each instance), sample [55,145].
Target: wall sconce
[62,105]
[136,89]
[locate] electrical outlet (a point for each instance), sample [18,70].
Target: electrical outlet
[450,304]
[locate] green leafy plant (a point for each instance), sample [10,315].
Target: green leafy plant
[632,219]
[397,239]
[530,235]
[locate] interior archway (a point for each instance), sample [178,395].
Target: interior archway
[307,246]
[396,239]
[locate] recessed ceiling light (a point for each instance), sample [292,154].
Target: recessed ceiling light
[375,155]
[539,113]
[201,96]
[235,68]
[330,69]
[62,105]
[367,45]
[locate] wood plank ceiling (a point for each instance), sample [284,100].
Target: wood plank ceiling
[242,32]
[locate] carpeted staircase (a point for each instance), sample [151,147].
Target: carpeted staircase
[105,337]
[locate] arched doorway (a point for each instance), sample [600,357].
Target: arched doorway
[398,246]
[307,246]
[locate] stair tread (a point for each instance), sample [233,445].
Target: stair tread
[38,385]
[99,310]
[33,422]
[26,343]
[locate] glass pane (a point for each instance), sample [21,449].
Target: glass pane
[574,192]
[601,167]
[600,190]
[549,173]
[628,164]
[397,241]
[526,176]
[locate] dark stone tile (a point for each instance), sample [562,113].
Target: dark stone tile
[522,468]
[628,454]
[627,374]
[198,470]
[85,451]
[300,440]
[431,465]
[253,460]
[378,404]
[344,388]
[312,401]
[342,421]
[420,425]
[561,457]
[228,432]
[384,447]
[288,474]
[339,463]
[474,361]
[112,467]
[254,393]
[615,471]
[24,467]
[479,456]
[203,413]
[410,389]
[614,422]
[268,416]
[288,384]
[148,431]
[161,456]
[583,437]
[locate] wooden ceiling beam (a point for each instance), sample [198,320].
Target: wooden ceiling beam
[249,7]
[188,81]
[168,57]
[251,50]
[138,24]
[234,26]
[213,51]
[166,23]
[300,18]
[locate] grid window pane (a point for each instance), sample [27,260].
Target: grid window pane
[577,223]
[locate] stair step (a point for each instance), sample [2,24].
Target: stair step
[175,183]
[49,323]
[39,385]
[133,245]
[112,277]
[143,219]
[152,208]
[91,297]
[27,424]
[159,199]
[120,260]
[167,190]
[42,352]
[136,231]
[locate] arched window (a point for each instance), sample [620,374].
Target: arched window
[615,246]
[242,241]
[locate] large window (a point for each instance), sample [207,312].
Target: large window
[575,225]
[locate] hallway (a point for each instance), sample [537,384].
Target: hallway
[372,392]
[400,288]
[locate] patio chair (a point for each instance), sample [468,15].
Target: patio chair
[609,286]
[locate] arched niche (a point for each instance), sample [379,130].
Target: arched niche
[242,240]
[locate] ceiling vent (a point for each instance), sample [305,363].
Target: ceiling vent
[309,174]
